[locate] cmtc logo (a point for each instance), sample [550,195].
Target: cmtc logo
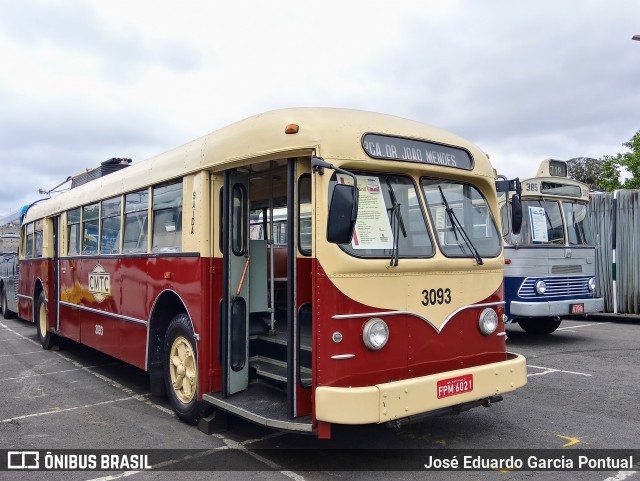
[99,283]
[23,460]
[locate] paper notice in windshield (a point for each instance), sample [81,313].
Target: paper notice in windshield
[538,224]
[373,229]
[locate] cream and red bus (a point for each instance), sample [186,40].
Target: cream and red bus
[300,268]
[551,261]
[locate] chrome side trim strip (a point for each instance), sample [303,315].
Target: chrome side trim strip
[104,313]
[343,356]
[408,313]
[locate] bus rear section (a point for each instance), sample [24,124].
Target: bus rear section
[551,263]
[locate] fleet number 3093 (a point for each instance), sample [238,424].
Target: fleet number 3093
[436,296]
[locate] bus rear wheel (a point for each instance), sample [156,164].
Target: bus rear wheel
[6,313]
[540,326]
[181,370]
[46,338]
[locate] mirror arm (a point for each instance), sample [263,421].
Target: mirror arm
[318,164]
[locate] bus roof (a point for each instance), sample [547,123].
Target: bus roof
[13,218]
[333,133]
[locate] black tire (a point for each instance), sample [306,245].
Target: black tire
[540,326]
[6,313]
[180,363]
[47,339]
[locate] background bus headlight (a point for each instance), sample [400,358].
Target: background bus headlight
[488,321]
[541,287]
[592,284]
[375,334]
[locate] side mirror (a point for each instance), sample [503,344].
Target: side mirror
[516,214]
[342,214]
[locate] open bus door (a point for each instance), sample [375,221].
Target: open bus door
[266,315]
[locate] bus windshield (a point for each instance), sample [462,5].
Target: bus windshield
[390,219]
[472,212]
[542,222]
[578,227]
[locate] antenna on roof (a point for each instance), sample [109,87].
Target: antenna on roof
[107,167]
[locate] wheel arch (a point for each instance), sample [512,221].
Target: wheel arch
[167,305]
[38,287]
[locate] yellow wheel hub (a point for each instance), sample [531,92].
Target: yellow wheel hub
[183,369]
[42,319]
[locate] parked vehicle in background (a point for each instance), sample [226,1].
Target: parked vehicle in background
[550,264]
[9,241]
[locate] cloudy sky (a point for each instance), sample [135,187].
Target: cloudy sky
[86,80]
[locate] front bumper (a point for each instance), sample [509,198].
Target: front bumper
[396,400]
[554,308]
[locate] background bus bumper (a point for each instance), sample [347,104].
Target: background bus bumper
[554,308]
[395,400]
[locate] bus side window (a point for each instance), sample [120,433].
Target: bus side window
[90,220]
[110,233]
[73,232]
[167,218]
[136,208]
[304,215]
[38,239]
[29,246]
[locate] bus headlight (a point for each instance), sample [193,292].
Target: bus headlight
[541,287]
[592,284]
[488,321]
[375,334]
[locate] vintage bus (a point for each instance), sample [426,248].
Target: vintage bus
[9,240]
[551,262]
[300,268]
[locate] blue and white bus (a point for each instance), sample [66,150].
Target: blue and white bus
[550,263]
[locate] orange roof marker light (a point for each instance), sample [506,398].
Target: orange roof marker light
[291,129]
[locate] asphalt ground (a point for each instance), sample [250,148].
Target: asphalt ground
[583,393]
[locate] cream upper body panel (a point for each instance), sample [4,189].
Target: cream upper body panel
[333,133]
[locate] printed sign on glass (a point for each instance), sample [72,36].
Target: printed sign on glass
[373,229]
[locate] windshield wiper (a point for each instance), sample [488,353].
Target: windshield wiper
[399,225]
[455,223]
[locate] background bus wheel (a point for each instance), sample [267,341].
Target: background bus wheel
[540,326]
[46,338]
[181,370]
[6,313]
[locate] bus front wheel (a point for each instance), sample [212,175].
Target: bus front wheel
[540,326]
[46,338]
[181,370]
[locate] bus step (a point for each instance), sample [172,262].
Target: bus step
[275,370]
[262,404]
[280,338]
[268,368]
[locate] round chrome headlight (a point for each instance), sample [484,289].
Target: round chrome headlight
[592,284]
[488,322]
[541,287]
[375,334]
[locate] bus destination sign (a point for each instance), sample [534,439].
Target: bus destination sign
[409,150]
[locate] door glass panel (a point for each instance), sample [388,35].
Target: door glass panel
[238,334]
[239,220]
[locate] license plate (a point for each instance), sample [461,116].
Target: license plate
[455,385]
[577,308]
